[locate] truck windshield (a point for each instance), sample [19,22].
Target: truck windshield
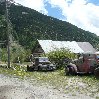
[97,56]
[43,60]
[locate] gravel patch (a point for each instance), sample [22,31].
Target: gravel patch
[14,88]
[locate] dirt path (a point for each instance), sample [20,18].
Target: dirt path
[14,88]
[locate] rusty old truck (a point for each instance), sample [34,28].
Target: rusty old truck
[86,63]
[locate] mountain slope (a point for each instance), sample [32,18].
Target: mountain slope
[30,25]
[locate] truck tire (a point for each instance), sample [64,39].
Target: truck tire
[71,69]
[96,72]
[39,68]
[30,68]
[67,70]
[27,67]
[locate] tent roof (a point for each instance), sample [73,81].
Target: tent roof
[86,47]
[49,45]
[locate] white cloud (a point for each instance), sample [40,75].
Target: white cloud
[80,13]
[34,4]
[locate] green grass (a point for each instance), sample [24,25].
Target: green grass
[88,85]
[97,97]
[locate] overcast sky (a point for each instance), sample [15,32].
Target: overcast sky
[82,13]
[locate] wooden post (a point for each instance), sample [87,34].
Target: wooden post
[8,32]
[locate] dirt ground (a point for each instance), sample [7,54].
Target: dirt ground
[14,88]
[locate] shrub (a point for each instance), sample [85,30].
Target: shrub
[3,55]
[61,57]
[18,53]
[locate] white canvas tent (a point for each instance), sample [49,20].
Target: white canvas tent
[86,47]
[49,45]
[45,46]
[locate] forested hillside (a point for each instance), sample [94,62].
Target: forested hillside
[29,25]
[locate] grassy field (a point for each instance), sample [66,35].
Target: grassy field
[87,85]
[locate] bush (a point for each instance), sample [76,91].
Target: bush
[61,57]
[3,55]
[18,53]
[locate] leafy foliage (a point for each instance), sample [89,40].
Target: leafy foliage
[3,55]
[18,53]
[61,57]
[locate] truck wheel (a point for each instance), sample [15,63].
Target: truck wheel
[39,68]
[96,72]
[27,67]
[67,70]
[71,69]
[30,68]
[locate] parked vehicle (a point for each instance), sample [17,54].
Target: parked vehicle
[86,63]
[41,63]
